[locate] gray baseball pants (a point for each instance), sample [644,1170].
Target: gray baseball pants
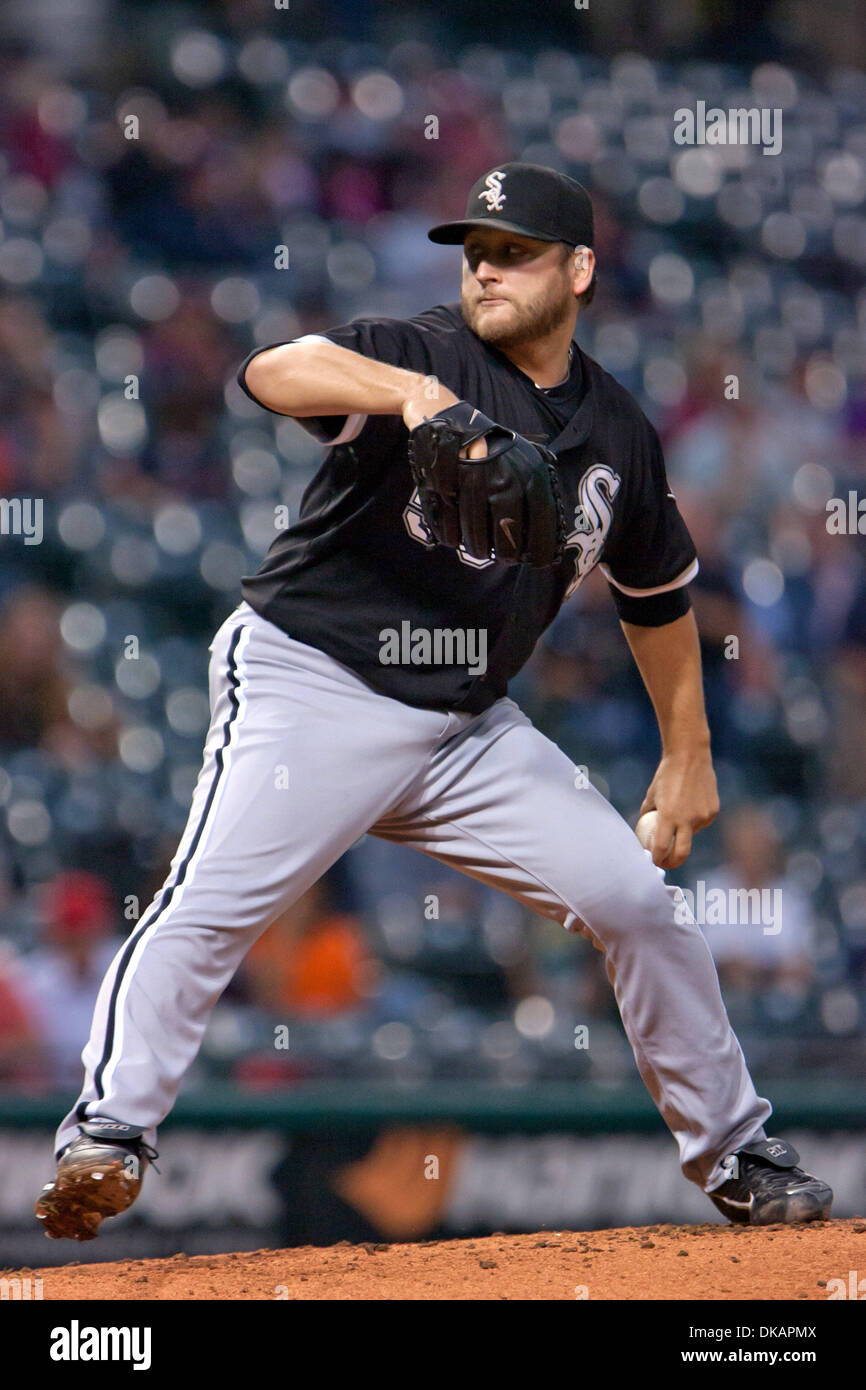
[301,759]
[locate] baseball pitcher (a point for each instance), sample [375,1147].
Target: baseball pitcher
[477,466]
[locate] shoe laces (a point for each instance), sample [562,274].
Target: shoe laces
[150,1154]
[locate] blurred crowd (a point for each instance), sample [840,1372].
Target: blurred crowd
[142,209]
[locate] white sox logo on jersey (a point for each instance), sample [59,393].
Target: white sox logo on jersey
[492,193]
[592,517]
[420,531]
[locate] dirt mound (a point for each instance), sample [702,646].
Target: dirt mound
[649,1262]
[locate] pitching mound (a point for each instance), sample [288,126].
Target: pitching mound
[651,1262]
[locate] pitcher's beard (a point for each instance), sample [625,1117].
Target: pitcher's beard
[526,323]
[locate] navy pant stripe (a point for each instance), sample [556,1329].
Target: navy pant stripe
[180,876]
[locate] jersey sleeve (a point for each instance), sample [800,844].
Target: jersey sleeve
[398,342]
[652,557]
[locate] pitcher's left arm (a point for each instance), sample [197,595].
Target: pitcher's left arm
[683,790]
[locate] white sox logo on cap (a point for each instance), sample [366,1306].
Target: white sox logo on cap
[541,202]
[492,191]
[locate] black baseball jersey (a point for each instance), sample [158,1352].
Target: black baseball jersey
[359,576]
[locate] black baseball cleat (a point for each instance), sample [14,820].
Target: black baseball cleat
[766,1186]
[98,1175]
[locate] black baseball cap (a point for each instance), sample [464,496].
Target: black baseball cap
[526,198]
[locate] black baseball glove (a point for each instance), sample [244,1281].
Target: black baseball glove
[505,506]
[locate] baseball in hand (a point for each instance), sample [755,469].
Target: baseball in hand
[646,828]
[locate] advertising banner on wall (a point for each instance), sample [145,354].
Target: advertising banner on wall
[232,1189]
